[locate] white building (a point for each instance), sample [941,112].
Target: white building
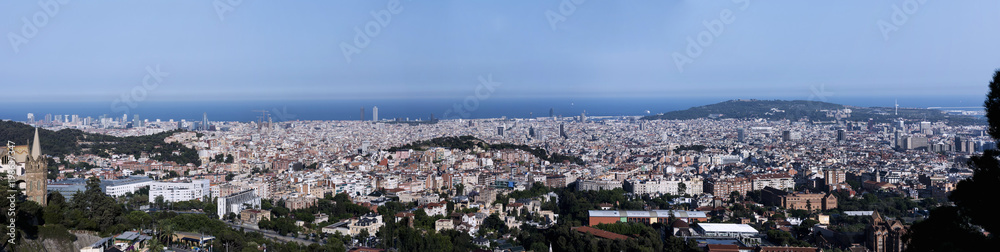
[237,202]
[725,230]
[120,187]
[180,191]
[692,186]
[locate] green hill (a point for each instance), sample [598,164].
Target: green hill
[810,110]
[470,142]
[71,141]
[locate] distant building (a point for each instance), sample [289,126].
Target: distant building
[235,203]
[841,135]
[725,230]
[833,177]
[722,187]
[799,201]
[369,222]
[180,191]
[597,185]
[375,114]
[120,187]
[648,217]
[29,166]
[781,181]
[788,135]
[886,236]
[253,216]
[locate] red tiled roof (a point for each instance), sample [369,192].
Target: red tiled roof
[600,233]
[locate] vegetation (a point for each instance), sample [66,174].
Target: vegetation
[960,228]
[466,143]
[810,110]
[72,141]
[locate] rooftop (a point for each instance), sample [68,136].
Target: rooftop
[727,227]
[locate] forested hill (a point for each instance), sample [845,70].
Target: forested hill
[71,141]
[469,142]
[810,110]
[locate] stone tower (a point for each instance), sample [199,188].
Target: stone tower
[36,171]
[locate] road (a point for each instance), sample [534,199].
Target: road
[270,234]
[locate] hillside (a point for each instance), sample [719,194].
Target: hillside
[810,110]
[70,141]
[469,142]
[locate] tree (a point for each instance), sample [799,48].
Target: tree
[972,208]
[681,188]
[159,201]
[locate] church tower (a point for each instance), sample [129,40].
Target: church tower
[36,171]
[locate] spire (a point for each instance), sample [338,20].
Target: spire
[36,148]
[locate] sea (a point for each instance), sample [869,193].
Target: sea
[425,108]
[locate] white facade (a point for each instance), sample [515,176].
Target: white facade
[237,202]
[692,186]
[118,188]
[180,191]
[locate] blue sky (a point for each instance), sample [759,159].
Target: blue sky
[281,50]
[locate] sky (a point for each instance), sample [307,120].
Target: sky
[312,50]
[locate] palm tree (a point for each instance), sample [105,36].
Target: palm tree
[167,234]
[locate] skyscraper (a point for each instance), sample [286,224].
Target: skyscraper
[841,135]
[741,134]
[960,144]
[562,131]
[204,122]
[31,118]
[925,128]
[531,131]
[552,112]
[500,130]
[375,114]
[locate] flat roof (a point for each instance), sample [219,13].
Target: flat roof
[638,214]
[604,213]
[859,213]
[727,227]
[648,214]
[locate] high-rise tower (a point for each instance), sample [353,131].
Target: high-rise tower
[375,114]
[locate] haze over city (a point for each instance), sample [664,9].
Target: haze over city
[505,126]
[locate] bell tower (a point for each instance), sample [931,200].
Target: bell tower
[36,171]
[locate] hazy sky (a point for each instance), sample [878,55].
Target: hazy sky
[99,50]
